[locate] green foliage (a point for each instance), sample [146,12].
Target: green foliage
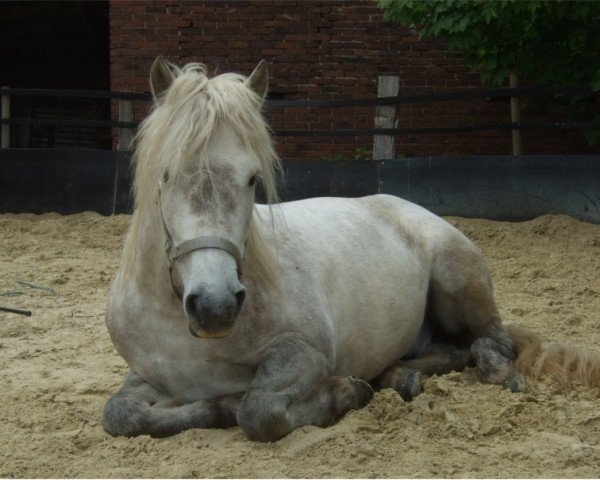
[547,42]
[550,42]
[338,157]
[361,154]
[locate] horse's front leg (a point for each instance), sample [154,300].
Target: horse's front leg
[292,388]
[140,409]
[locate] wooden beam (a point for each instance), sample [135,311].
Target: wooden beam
[5,141]
[515,114]
[125,115]
[384,146]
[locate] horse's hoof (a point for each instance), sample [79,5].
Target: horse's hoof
[409,385]
[363,392]
[517,383]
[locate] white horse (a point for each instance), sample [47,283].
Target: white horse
[273,317]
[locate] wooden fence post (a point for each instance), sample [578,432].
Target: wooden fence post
[125,115]
[515,114]
[384,146]
[5,142]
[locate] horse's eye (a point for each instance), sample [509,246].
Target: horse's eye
[252,180]
[166,176]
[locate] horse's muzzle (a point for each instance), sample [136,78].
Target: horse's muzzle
[213,316]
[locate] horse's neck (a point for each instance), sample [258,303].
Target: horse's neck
[145,264]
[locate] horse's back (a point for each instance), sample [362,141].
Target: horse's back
[376,219]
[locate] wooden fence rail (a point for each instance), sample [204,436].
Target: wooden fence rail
[385,127]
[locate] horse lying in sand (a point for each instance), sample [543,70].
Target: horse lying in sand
[276,316]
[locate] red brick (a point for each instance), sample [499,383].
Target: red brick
[319,49]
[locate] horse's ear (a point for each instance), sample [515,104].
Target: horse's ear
[258,80]
[161,77]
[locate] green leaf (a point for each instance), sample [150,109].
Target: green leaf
[548,42]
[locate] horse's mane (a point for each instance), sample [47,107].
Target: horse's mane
[174,135]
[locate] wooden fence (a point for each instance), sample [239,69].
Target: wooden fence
[385,126]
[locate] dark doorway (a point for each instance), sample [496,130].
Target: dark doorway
[56,45]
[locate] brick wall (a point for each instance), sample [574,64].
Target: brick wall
[322,50]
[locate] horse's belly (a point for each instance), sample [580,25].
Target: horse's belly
[369,356]
[371,340]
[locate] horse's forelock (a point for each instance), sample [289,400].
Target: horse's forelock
[181,124]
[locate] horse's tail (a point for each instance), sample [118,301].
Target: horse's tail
[562,362]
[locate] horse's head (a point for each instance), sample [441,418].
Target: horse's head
[216,149]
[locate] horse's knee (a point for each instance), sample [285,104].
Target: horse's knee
[260,420]
[123,417]
[266,417]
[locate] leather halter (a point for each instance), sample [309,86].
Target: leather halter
[173,251]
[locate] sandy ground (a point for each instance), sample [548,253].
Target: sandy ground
[58,367]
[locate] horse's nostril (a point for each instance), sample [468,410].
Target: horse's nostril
[240,297]
[214,309]
[191,305]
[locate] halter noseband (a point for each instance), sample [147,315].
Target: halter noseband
[173,251]
[199,243]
